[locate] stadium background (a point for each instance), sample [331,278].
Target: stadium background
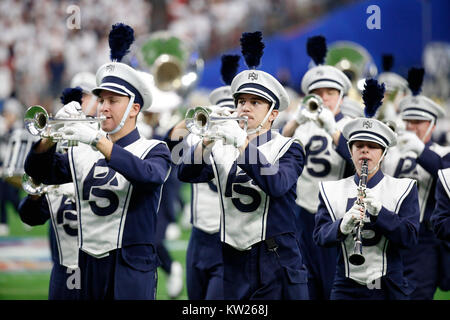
[40,50]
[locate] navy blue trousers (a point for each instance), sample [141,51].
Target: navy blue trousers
[348,289]
[204,266]
[319,261]
[260,273]
[125,274]
[62,284]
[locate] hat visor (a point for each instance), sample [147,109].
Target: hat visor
[254,92]
[97,90]
[325,84]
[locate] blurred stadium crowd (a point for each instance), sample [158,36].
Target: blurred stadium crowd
[40,52]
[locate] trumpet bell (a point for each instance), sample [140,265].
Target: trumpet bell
[167,71]
[197,120]
[313,103]
[35,119]
[32,188]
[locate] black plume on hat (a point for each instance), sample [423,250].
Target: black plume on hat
[316,47]
[415,79]
[120,39]
[228,70]
[252,48]
[372,96]
[71,94]
[388,62]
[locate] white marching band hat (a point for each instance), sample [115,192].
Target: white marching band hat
[222,97]
[369,129]
[85,80]
[324,76]
[420,108]
[261,84]
[124,80]
[393,81]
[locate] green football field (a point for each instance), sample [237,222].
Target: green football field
[33,285]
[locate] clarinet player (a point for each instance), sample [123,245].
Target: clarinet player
[388,208]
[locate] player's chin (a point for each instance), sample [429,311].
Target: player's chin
[107,125]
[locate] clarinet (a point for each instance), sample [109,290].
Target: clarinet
[357,258]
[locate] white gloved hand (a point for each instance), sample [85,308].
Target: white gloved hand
[409,141]
[70,110]
[373,205]
[326,121]
[81,132]
[301,115]
[231,133]
[351,218]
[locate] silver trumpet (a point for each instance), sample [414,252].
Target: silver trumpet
[357,258]
[313,103]
[32,187]
[199,121]
[38,123]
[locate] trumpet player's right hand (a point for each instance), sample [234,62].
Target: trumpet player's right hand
[70,110]
[351,219]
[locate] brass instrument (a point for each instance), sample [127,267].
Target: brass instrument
[199,121]
[357,258]
[38,123]
[32,187]
[313,103]
[355,61]
[172,61]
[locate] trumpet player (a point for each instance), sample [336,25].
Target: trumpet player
[419,158]
[255,173]
[389,211]
[118,182]
[204,263]
[322,163]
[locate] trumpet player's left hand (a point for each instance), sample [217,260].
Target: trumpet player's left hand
[326,121]
[231,133]
[373,205]
[81,132]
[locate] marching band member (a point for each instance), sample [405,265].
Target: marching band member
[255,173]
[57,204]
[419,158]
[204,264]
[387,206]
[118,182]
[441,214]
[322,163]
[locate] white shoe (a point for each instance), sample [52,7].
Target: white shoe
[173,231]
[4,230]
[174,283]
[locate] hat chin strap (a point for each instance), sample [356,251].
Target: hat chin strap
[259,127]
[125,116]
[127,111]
[430,126]
[379,162]
[341,95]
